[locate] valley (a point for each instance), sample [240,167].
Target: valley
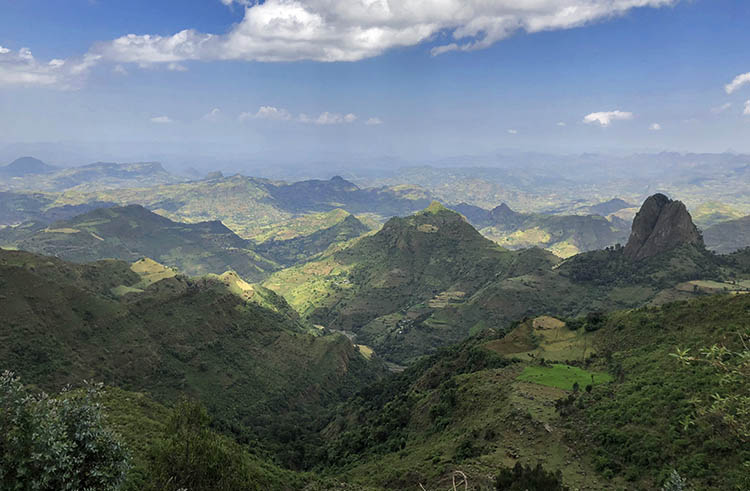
[318,335]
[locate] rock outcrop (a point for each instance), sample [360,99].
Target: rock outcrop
[661,225]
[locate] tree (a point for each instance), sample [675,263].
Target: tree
[56,443]
[191,456]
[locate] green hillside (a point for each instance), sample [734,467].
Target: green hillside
[380,286]
[249,206]
[564,235]
[257,370]
[618,411]
[728,236]
[131,232]
[303,238]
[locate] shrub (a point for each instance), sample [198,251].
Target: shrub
[56,443]
[523,478]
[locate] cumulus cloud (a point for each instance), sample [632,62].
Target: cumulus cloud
[605,118]
[351,30]
[560,123]
[161,119]
[21,69]
[746,112]
[655,127]
[512,132]
[738,82]
[374,121]
[271,112]
[119,69]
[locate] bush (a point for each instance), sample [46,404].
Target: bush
[56,443]
[522,478]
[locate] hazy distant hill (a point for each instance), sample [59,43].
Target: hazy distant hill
[25,166]
[251,206]
[728,236]
[608,207]
[302,238]
[131,232]
[565,235]
[99,175]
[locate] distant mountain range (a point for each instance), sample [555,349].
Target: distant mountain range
[30,174]
[565,235]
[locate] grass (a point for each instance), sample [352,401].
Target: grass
[563,376]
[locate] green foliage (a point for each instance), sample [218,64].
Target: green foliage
[131,232]
[658,416]
[191,456]
[56,443]
[258,371]
[527,478]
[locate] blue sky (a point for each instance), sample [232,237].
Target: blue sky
[331,81]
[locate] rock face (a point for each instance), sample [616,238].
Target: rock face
[660,225]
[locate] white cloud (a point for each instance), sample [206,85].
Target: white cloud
[271,112]
[161,119]
[655,127]
[212,115]
[605,118]
[560,123]
[327,118]
[746,112]
[738,82]
[120,70]
[512,132]
[374,121]
[351,30]
[176,67]
[722,108]
[21,69]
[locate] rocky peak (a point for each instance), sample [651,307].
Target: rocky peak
[660,225]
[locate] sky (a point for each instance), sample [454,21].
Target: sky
[292,81]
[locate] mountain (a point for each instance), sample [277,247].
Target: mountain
[606,208]
[728,236]
[91,177]
[601,399]
[252,207]
[290,245]
[381,287]
[141,328]
[713,212]
[25,166]
[131,232]
[565,235]
[660,225]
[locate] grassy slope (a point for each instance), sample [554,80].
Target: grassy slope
[254,368]
[469,408]
[304,238]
